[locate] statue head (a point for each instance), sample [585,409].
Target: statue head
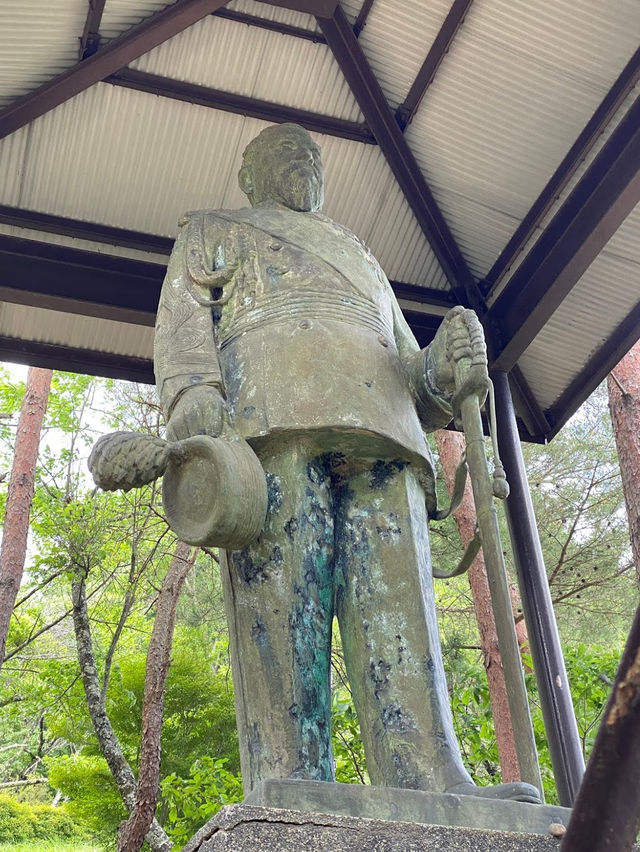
[282,164]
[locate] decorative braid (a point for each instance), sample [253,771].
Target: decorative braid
[126,460]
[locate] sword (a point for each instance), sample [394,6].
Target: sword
[471,382]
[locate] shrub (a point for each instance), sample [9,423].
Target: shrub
[20,821]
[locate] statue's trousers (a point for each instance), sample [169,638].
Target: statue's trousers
[348,538]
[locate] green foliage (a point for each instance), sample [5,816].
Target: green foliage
[590,671]
[51,846]
[93,796]
[21,821]
[193,800]
[348,750]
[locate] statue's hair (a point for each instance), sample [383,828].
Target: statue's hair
[250,152]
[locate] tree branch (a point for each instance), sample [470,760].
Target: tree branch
[132,832]
[107,740]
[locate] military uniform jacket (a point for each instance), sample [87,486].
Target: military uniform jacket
[290,316]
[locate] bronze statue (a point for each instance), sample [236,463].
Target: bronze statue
[278,326]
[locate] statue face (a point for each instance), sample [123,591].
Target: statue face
[285,168]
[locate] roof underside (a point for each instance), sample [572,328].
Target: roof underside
[486,150]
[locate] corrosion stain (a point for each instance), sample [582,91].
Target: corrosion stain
[259,632]
[290,527]
[627,692]
[249,569]
[274,493]
[383,471]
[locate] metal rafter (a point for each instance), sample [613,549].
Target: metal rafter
[395,148]
[90,38]
[437,52]
[55,277]
[65,226]
[379,117]
[363,14]
[120,52]
[527,406]
[240,104]
[597,206]
[574,157]
[125,289]
[56,356]
[323,8]
[268,24]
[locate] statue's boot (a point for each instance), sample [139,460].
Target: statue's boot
[515,791]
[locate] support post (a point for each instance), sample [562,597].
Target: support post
[555,697]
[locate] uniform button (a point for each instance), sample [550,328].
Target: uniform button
[304,324]
[275,246]
[382,340]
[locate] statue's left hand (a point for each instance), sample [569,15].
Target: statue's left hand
[199,411]
[458,355]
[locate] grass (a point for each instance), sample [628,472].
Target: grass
[48,846]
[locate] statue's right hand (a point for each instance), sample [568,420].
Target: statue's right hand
[200,410]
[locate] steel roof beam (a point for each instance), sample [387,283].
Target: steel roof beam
[437,52]
[363,14]
[597,206]
[527,406]
[240,104]
[41,274]
[90,38]
[56,356]
[399,156]
[137,41]
[323,8]
[107,60]
[57,277]
[574,157]
[92,231]
[380,118]
[268,24]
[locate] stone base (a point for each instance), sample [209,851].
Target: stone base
[245,828]
[414,806]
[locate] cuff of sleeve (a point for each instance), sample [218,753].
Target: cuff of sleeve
[174,387]
[433,407]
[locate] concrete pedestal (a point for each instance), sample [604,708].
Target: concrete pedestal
[244,828]
[297,815]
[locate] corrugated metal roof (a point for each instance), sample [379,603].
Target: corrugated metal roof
[120,15]
[38,40]
[566,191]
[604,296]
[60,329]
[89,159]
[275,13]
[518,84]
[12,161]
[513,93]
[257,63]
[396,40]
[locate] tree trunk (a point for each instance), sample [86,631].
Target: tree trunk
[107,740]
[450,447]
[20,494]
[132,832]
[623,384]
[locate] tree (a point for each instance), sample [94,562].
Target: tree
[21,487]
[623,385]
[132,833]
